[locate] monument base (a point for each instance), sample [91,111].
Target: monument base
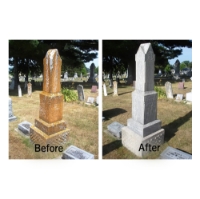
[137,144]
[56,139]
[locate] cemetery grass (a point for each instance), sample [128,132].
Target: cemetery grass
[81,119]
[176,118]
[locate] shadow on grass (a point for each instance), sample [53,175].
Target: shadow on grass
[125,93]
[172,128]
[113,112]
[111,146]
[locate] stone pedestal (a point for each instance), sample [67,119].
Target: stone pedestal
[144,127]
[49,128]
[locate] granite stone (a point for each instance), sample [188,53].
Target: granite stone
[74,153]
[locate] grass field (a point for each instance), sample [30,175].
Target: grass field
[176,118]
[81,119]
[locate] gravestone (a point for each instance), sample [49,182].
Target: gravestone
[10,114]
[75,75]
[172,153]
[29,88]
[97,100]
[179,97]
[81,76]
[115,129]
[24,127]
[110,83]
[81,95]
[159,72]
[74,153]
[168,89]
[19,91]
[189,96]
[92,77]
[177,67]
[12,85]
[115,88]
[90,100]
[104,89]
[181,85]
[144,127]
[94,89]
[50,128]
[66,75]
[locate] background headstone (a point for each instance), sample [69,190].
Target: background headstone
[29,88]
[168,89]
[104,89]
[97,100]
[94,89]
[115,88]
[179,97]
[19,91]
[66,75]
[90,100]
[81,95]
[181,85]
[11,116]
[92,76]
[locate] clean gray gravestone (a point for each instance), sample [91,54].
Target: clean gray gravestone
[29,89]
[11,116]
[189,96]
[115,88]
[172,153]
[92,77]
[74,153]
[168,89]
[81,95]
[179,97]
[12,85]
[104,89]
[144,127]
[24,127]
[19,91]
[94,89]
[115,129]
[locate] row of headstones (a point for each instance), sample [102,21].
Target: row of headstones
[90,100]
[29,90]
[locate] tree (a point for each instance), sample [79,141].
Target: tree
[119,54]
[183,65]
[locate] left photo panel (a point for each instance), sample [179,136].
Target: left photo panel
[53,99]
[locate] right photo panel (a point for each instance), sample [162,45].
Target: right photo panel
[147,99]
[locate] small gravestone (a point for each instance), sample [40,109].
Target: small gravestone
[19,91]
[181,85]
[159,72]
[92,75]
[168,89]
[74,153]
[189,96]
[179,97]
[90,100]
[12,85]
[172,153]
[94,89]
[97,100]
[75,75]
[66,75]
[29,88]
[104,89]
[24,127]
[11,116]
[115,88]
[81,96]
[115,129]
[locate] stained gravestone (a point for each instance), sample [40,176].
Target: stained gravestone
[181,85]
[168,89]
[74,153]
[24,127]
[92,76]
[104,89]
[144,127]
[115,88]
[11,116]
[115,129]
[94,89]
[29,88]
[81,95]
[19,91]
[179,97]
[50,128]
[172,153]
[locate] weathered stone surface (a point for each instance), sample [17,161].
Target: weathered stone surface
[168,89]
[10,112]
[80,91]
[115,129]
[132,140]
[115,88]
[74,152]
[172,153]
[52,71]
[50,128]
[24,127]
